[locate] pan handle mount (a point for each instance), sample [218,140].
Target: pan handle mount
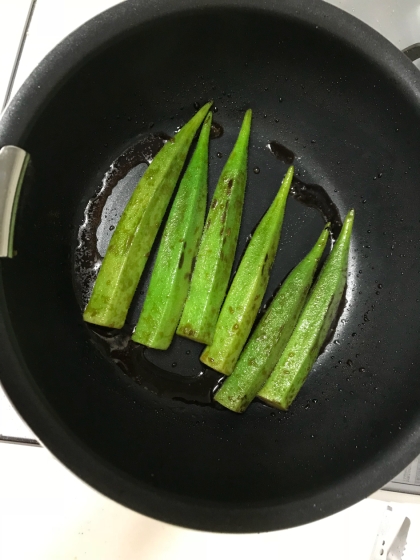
[413,52]
[13,165]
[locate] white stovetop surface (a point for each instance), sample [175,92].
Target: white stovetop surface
[46,513]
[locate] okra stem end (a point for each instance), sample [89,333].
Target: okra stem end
[273,403]
[234,405]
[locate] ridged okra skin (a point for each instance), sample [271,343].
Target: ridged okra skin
[218,245]
[171,275]
[272,333]
[133,237]
[248,287]
[313,325]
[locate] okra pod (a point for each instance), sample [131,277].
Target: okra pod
[218,245]
[312,327]
[248,287]
[133,237]
[171,276]
[272,333]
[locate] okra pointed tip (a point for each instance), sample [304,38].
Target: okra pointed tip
[325,233]
[247,117]
[287,179]
[349,219]
[286,183]
[204,109]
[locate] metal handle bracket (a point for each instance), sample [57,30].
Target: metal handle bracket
[13,165]
[413,52]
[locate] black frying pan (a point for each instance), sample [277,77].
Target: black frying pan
[350,112]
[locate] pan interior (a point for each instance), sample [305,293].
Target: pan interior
[353,131]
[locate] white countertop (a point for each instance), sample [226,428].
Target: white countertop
[46,513]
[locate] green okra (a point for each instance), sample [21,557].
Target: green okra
[133,237]
[248,287]
[269,339]
[218,245]
[171,276]
[312,327]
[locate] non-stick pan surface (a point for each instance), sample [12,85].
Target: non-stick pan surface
[347,103]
